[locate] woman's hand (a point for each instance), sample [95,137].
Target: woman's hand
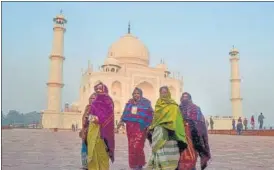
[83,133]
[120,124]
[94,119]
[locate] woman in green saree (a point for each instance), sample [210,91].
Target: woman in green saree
[168,136]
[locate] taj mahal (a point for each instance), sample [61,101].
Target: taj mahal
[125,67]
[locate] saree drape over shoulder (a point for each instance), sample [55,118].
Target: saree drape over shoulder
[101,133]
[168,136]
[102,107]
[197,138]
[137,116]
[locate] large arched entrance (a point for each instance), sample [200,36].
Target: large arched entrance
[116,89]
[148,91]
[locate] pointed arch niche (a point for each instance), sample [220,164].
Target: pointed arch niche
[116,89]
[148,90]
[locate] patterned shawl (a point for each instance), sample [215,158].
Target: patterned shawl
[103,108]
[167,115]
[144,111]
[193,115]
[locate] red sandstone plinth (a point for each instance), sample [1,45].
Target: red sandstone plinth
[244,133]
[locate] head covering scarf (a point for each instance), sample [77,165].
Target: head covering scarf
[93,94]
[86,112]
[167,114]
[144,111]
[103,108]
[194,117]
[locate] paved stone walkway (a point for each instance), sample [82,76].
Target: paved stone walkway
[46,150]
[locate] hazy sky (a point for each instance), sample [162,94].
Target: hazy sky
[194,38]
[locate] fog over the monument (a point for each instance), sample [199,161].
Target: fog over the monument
[193,38]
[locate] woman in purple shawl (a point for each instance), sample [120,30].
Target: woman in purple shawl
[101,130]
[138,116]
[196,135]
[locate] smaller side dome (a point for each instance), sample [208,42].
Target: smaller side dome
[111,61]
[111,65]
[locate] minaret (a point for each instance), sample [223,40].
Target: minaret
[128,28]
[55,82]
[236,100]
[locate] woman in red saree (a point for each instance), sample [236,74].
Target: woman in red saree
[252,121]
[196,133]
[138,116]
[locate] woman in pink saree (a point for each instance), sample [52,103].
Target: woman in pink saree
[100,138]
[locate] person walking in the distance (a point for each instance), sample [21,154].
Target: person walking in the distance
[261,120]
[233,124]
[211,123]
[138,116]
[252,122]
[197,136]
[239,126]
[245,123]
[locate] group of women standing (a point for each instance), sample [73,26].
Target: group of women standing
[177,133]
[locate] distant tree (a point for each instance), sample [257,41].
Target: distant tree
[14,117]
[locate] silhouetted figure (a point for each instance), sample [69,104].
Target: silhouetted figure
[73,127]
[211,123]
[233,124]
[252,122]
[240,120]
[245,123]
[239,126]
[261,120]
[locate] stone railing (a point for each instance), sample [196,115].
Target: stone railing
[244,133]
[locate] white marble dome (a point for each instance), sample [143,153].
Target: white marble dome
[129,50]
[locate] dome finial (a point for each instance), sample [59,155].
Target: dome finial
[128,29]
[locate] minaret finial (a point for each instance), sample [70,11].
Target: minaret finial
[61,11]
[128,29]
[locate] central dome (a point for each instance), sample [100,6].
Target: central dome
[129,50]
